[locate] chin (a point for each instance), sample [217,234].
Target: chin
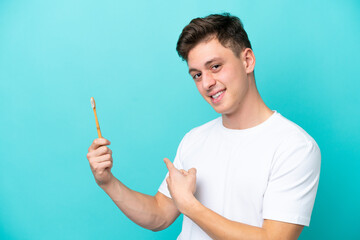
[224,110]
[218,111]
[221,110]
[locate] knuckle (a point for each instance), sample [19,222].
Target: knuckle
[99,151]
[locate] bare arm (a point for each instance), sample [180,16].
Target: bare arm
[218,227]
[151,212]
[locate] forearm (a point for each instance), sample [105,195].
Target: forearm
[140,208]
[218,227]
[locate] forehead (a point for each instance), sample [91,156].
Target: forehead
[206,51]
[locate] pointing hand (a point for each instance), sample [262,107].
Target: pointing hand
[181,184]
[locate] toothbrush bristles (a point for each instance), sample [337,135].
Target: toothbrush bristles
[92,101]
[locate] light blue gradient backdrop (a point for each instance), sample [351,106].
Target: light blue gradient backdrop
[55,55]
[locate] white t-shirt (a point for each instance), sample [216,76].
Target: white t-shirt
[270,171]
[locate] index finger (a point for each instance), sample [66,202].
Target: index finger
[99,142]
[170,166]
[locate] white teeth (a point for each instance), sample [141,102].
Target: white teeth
[217,95]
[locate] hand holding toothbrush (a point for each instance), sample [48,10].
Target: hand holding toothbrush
[101,161]
[99,155]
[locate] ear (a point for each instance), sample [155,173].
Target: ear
[248,60]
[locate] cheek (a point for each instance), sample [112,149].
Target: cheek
[235,82]
[228,74]
[198,85]
[199,88]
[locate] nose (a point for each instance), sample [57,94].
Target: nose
[208,81]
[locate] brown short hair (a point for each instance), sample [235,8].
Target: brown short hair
[226,28]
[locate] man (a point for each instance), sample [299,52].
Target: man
[249,174]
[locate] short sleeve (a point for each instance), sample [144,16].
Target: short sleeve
[178,164]
[293,181]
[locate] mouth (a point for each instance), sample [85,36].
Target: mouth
[217,96]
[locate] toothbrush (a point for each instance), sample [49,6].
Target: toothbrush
[92,101]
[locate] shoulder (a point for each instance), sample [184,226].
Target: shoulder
[204,129]
[196,135]
[296,148]
[292,134]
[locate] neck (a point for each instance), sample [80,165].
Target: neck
[251,112]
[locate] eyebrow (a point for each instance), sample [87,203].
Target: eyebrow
[206,64]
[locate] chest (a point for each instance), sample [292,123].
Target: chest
[228,169]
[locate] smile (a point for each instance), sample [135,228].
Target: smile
[218,96]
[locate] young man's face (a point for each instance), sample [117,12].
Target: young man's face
[219,75]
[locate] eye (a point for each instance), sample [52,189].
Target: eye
[216,67]
[196,76]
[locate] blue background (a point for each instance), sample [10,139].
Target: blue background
[55,55]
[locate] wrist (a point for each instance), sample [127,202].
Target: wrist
[108,185]
[189,205]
